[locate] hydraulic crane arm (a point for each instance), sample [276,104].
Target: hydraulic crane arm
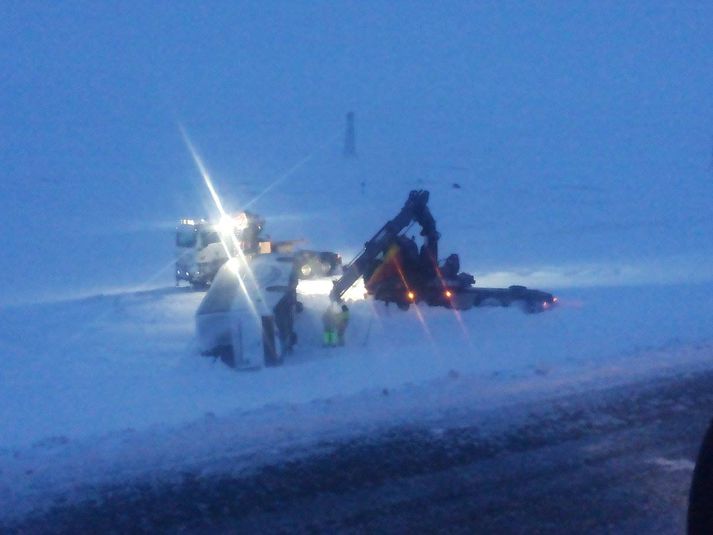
[415,209]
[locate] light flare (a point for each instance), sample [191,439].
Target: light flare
[412,297]
[226,225]
[284,176]
[449,294]
[223,215]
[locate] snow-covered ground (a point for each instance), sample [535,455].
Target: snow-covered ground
[107,388]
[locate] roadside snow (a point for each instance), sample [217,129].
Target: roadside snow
[112,362]
[100,390]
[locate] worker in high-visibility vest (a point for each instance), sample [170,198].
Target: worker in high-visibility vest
[329,320]
[342,320]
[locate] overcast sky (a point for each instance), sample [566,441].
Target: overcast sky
[93,93]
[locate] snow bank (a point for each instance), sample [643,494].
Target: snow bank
[106,388]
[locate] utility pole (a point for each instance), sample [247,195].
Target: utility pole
[350,137]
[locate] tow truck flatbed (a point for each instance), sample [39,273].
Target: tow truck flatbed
[530,300]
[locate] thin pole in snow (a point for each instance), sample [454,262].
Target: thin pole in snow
[350,137]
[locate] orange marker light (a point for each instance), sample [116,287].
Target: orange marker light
[411,296]
[448,294]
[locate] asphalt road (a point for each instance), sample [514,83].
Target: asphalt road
[614,461]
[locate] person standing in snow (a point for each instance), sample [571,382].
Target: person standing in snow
[342,320]
[329,320]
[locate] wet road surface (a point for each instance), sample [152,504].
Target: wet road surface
[614,461]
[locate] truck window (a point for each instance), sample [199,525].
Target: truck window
[186,237]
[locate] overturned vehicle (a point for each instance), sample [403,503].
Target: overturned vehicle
[246,318]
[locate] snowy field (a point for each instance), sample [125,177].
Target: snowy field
[110,363]
[107,388]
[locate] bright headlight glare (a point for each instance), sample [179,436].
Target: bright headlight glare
[226,226]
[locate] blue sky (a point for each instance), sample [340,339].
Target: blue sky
[94,169]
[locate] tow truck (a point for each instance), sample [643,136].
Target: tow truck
[202,247]
[396,270]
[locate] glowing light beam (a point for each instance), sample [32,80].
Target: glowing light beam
[223,216]
[292,170]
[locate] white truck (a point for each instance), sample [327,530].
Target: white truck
[202,247]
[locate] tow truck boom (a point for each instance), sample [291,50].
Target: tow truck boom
[415,209]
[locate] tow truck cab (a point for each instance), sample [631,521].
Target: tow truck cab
[201,245]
